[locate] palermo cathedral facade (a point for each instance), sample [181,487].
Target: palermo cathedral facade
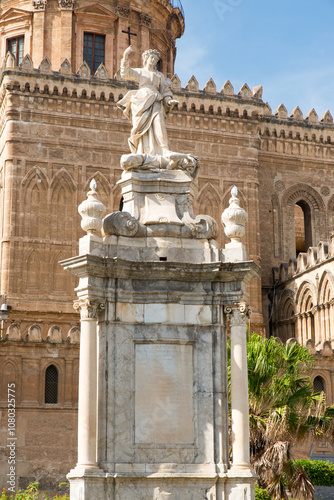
[60,128]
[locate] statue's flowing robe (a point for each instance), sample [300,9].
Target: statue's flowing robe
[146,109]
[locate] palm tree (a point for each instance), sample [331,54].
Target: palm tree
[283,409]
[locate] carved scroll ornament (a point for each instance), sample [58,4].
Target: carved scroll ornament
[89,308]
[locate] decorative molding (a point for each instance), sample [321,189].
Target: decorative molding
[297,114]
[101,72]
[176,82]
[237,313]
[89,308]
[279,185]
[281,112]
[39,4]
[84,70]
[122,11]
[120,224]
[325,191]
[257,92]
[210,87]
[65,68]
[66,4]
[9,61]
[245,92]
[227,88]
[192,85]
[45,66]
[27,63]
[145,20]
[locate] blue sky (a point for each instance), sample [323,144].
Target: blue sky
[287,46]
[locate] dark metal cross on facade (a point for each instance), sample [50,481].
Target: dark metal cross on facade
[128,32]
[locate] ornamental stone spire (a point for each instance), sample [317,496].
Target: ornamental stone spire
[92,211]
[234,219]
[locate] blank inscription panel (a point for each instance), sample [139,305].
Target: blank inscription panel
[164,394]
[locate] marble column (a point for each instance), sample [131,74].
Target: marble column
[304,328]
[309,325]
[322,323]
[327,321]
[331,318]
[87,408]
[238,315]
[317,324]
[299,335]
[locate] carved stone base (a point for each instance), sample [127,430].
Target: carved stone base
[240,484]
[234,252]
[162,487]
[158,203]
[88,484]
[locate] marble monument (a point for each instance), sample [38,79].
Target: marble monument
[157,300]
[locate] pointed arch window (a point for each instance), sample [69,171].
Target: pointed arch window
[303,229]
[51,385]
[33,267]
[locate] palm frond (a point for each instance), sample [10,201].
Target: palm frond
[277,488]
[300,484]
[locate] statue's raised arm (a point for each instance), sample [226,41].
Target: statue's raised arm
[147,109]
[125,70]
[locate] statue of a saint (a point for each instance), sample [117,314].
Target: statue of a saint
[147,109]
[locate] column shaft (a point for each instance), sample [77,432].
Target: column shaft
[87,410]
[239,391]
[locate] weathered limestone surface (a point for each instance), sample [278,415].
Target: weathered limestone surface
[153,404]
[60,126]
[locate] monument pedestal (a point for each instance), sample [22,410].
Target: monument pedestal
[156,298]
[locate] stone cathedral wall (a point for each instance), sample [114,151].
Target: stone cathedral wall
[59,130]
[82,135]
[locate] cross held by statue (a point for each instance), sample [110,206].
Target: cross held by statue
[128,32]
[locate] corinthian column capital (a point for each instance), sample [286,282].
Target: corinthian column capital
[89,308]
[238,313]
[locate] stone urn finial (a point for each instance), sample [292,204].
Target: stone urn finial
[234,219]
[92,211]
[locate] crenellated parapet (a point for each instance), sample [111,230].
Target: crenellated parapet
[278,126]
[302,299]
[297,135]
[82,93]
[306,261]
[279,132]
[190,93]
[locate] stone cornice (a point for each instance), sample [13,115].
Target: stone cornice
[105,267]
